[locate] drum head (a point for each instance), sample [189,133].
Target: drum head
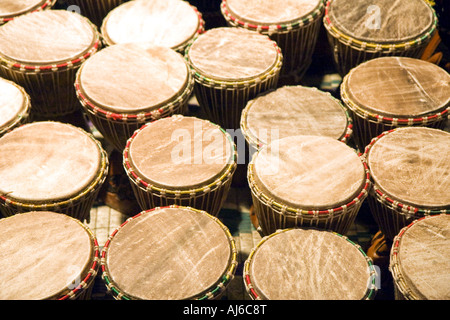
[13,102]
[232,54]
[180,153]
[46,162]
[42,254]
[46,37]
[381,21]
[167,23]
[412,166]
[168,254]
[423,256]
[268,12]
[294,110]
[132,78]
[399,87]
[302,264]
[309,172]
[13,8]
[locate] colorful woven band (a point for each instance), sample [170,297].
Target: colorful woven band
[256,143]
[47,5]
[272,28]
[226,175]
[215,291]
[371,288]
[156,112]
[378,47]
[397,121]
[295,212]
[54,206]
[394,264]
[387,200]
[224,84]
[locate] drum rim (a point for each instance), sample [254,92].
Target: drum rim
[146,114]
[252,291]
[90,188]
[178,47]
[255,142]
[399,206]
[88,274]
[147,186]
[43,5]
[270,28]
[386,118]
[394,264]
[22,115]
[290,211]
[70,63]
[209,293]
[378,47]
[271,72]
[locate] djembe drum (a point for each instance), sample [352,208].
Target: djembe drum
[419,259]
[14,106]
[232,66]
[389,92]
[183,161]
[168,23]
[170,253]
[42,52]
[307,181]
[126,85]
[308,264]
[409,167]
[95,10]
[46,256]
[294,25]
[359,31]
[50,166]
[10,9]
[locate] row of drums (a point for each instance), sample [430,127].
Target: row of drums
[314,158]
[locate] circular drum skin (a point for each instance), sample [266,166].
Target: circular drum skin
[9,9]
[15,106]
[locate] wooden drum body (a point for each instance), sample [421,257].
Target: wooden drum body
[181,161]
[409,168]
[308,264]
[390,92]
[46,256]
[127,85]
[42,52]
[15,106]
[359,31]
[307,181]
[50,166]
[171,253]
[294,26]
[419,259]
[232,66]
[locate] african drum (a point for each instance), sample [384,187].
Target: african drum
[10,9]
[126,85]
[14,106]
[410,170]
[232,66]
[181,160]
[170,253]
[50,166]
[294,110]
[168,23]
[359,31]
[309,264]
[46,256]
[41,52]
[420,259]
[294,25]
[389,92]
[307,181]
[95,10]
